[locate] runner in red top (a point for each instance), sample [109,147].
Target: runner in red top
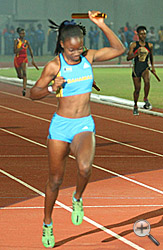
[20,60]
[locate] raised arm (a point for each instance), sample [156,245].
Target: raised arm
[116,47]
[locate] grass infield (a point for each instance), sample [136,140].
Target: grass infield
[112,81]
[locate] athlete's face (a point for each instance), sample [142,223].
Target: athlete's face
[73,47]
[22,34]
[142,35]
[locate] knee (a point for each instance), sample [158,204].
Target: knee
[19,76]
[24,74]
[137,91]
[54,182]
[147,84]
[85,170]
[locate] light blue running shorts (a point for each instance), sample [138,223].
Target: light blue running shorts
[64,129]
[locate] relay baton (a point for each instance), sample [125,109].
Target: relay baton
[34,64]
[85,15]
[158,79]
[95,86]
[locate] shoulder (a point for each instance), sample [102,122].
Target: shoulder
[133,45]
[150,45]
[16,40]
[53,65]
[90,55]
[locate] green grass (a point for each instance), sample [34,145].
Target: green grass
[112,81]
[46,58]
[118,82]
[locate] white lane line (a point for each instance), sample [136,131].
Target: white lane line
[96,156]
[21,156]
[102,137]
[124,156]
[129,124]
[98,116]
[28,99]
[128,179]
[92,222]
[130,146]
[24,138]
[22,113]
[95,166]
[104,206]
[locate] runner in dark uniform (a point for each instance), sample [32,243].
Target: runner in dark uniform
[140,51]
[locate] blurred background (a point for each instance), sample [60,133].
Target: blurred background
[123,18]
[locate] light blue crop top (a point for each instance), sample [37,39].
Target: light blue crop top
[79,77]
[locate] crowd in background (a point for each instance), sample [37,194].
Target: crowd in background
[128,34]
[37,36]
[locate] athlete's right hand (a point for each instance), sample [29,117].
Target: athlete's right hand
[59,80]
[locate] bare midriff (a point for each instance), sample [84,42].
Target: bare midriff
[74,106]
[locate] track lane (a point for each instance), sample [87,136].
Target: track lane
[102,148]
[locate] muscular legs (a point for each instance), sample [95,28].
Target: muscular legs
[57,153]
[21,73]
[24,75]
[137,85]
[83,147]
[146,79]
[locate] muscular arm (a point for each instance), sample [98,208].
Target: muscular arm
[131,54]
[151,56]
[30,49]
[40,89]
[116,47]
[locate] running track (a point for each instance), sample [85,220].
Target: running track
[126,183]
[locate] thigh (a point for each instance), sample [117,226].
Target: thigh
[83,148]
[23,66]
[18,70]
[146,76]
[57,154]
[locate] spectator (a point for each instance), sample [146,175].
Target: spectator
[91,38]
[129,34]
[96,37]
[151,37]
[32,38]
[0,42]
[136,37]
[126,27]
[40,39]
[5,34]
[160,39]
[52,36]
[122,38]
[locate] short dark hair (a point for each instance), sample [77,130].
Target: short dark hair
[19,30]
[139,28]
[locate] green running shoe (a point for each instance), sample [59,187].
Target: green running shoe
[135,111]
[147,105]
[48,237]
[77,213]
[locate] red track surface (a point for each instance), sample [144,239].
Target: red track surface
[126,145]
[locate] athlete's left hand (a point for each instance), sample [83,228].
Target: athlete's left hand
[153,70]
